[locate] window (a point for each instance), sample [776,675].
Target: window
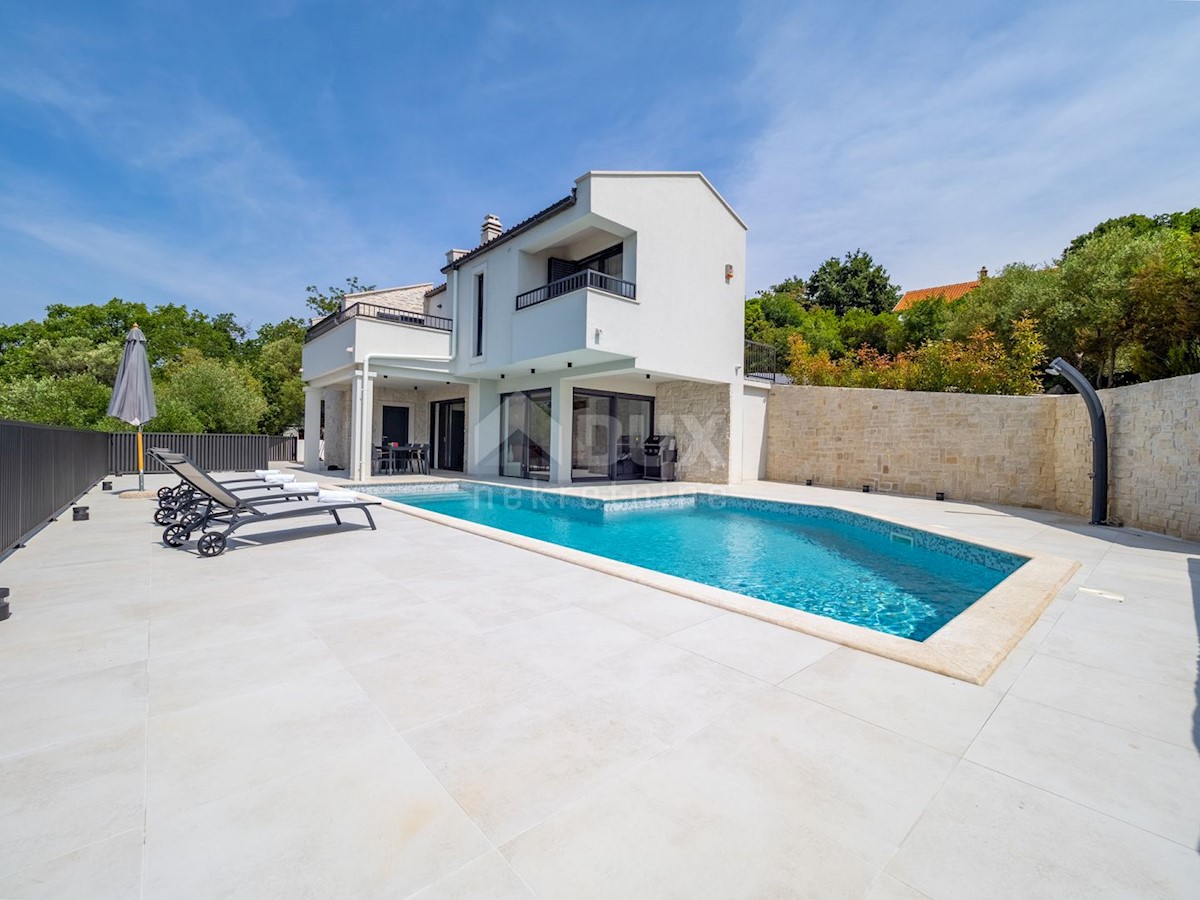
[479,314]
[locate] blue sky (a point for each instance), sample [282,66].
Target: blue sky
[226,155]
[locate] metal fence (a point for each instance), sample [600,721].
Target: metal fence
[43,469]
[216,452]
[383,314]
[760,361]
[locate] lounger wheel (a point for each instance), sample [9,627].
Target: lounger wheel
[212,544]
[164,492]
[191,520]
[162,517]
[175,536]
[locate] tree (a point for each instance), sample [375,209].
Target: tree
[76,401]
[278,370]
[854,281]
[325,304]
[1138,224]
[224,397]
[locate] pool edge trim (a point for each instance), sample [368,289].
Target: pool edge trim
[970,647]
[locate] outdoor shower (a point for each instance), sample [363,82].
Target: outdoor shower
[1099,474]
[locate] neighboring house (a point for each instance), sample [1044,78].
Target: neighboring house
[556,347]
[947,292]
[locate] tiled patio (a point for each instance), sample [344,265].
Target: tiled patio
[423,712]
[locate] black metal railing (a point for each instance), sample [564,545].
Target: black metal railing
[382,314]
[43,470]
[215,452]
[760,361]
[588,278]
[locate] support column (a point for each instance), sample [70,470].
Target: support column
[312,428]
[560,433]
[360,415]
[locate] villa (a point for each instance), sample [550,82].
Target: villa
[555,347]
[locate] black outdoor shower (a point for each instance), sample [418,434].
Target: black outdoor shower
[1099,436]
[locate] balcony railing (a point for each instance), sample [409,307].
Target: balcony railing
[760,361]
[588,278]
[381,313]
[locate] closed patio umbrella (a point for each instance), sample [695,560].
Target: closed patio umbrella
[133,394]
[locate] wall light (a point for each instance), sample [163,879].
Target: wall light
[728,273]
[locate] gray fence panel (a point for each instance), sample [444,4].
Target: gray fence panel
[215,452]
[43,469]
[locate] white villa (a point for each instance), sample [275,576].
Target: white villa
[555,348]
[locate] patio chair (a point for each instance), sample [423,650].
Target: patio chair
[178,502]
[227,512]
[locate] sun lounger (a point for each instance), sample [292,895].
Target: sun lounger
[226,511]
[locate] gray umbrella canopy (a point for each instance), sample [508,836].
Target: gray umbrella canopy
[133,394]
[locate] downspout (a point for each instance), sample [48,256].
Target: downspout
[1099,474]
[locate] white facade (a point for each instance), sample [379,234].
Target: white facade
[631,289]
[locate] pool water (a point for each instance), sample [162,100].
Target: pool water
[833,563]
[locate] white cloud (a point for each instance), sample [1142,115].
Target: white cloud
[940,145]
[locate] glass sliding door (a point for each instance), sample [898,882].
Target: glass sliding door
[590,436]
[525,427]
[608,435]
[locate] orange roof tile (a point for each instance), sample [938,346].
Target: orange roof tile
[949,291]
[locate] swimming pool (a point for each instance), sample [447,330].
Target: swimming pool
[890,578]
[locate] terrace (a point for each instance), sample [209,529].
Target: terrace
[424,712]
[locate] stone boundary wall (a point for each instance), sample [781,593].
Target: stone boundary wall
[409,299]
[1014,451]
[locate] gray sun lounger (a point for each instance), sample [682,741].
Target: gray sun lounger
[227,512]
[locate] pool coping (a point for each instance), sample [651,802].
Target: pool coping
[970,647]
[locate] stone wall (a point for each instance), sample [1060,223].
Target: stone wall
[1015,451]
[698,415]
[337,427]
[1154,455]
[972,447]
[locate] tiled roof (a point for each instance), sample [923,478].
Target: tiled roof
[538,217]
[948,291]
[437,290]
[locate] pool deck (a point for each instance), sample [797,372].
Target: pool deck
[423,712]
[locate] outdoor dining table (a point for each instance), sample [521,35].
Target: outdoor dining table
[412,457]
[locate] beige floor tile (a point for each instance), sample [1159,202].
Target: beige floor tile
[513,763]
[375,636]
[652,612]
[888,888]
[942,712]
[61,709]
[209,751]
[758,648]
[57,799]
[1137,779]
[488,878]
[672,691]
[1146,707]
[371,823]
[59,657]
[566,639]
[857,784]
[658,833]
[107,870]
[213,673]
[988,836]
[422,684]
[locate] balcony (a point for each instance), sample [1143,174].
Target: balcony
[587,278]
[378,313]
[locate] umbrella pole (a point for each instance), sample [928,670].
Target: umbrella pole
[141,476]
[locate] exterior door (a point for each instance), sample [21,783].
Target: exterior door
[449,437]
[607,435]
[395,425]
[525,435]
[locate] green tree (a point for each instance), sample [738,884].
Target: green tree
[278,371]
[224,397]
[854,281]
[75,401]
[324,304]
[926,320]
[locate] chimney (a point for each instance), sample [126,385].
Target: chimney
[983,273]
[491,229]
[453,256]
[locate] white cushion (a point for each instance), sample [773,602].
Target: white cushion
[327,496]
